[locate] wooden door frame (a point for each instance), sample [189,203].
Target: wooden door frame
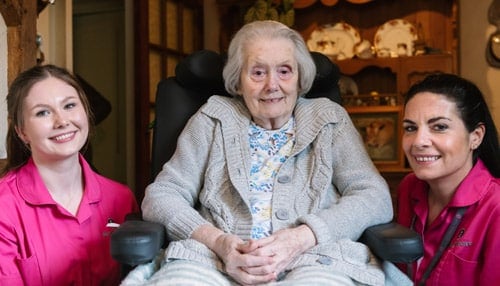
[141,88]
[143,106]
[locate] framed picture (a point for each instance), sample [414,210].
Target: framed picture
[380,128]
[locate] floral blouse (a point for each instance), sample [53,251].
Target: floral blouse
[269,150]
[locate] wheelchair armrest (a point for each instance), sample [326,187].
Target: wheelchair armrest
[393,242]
[136,242]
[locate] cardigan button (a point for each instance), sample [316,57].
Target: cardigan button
[284,179]
[324,260]
[282,214]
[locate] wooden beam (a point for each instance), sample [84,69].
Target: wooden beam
[20,18]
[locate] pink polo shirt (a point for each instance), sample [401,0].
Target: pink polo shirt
[43,244]
[473,257]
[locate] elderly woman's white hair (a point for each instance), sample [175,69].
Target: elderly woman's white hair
[267,30]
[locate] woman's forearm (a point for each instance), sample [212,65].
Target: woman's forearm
[208,235]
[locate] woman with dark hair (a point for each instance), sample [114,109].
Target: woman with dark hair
[452,198]
[55,209]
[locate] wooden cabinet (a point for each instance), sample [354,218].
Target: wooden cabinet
[436,23]
[381,82]
[403,71]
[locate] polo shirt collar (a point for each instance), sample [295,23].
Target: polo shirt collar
[33,190]
[470,190]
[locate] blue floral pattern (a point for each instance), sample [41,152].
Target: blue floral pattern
[269,150]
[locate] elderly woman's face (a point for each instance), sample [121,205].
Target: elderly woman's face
[269,81]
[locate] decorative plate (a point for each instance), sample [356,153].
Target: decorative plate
[337,40]
[395,38]
[347,86]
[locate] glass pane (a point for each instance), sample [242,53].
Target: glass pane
[171,64]
[171,25]
[154,73]
[154,22]
[188,30]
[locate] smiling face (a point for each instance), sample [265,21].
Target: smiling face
[435,139]
[55,124]
[269,81]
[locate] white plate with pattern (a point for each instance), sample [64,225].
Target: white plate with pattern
[337,40]
[395,38]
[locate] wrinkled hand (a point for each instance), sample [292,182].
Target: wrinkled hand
[238,255]
[283,246]
[256,261]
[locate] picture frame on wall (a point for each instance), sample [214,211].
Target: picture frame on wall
[381,130]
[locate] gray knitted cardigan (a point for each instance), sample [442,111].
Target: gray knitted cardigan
[329,183]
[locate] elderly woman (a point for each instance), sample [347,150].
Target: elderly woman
[267,185]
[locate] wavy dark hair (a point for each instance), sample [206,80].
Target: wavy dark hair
[17,152]
[472,109]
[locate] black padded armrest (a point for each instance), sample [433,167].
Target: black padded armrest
[136,242]
[393,242]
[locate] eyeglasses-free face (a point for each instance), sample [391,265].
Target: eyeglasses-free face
[55,124]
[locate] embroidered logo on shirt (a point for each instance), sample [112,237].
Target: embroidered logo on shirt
[458,242]
[461,233]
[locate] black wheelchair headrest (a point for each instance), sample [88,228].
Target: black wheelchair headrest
[326,80]
[202,70]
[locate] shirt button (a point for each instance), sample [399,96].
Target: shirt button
[282,214]
[324,260]
[284,179]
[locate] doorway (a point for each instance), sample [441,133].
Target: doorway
[99,58]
